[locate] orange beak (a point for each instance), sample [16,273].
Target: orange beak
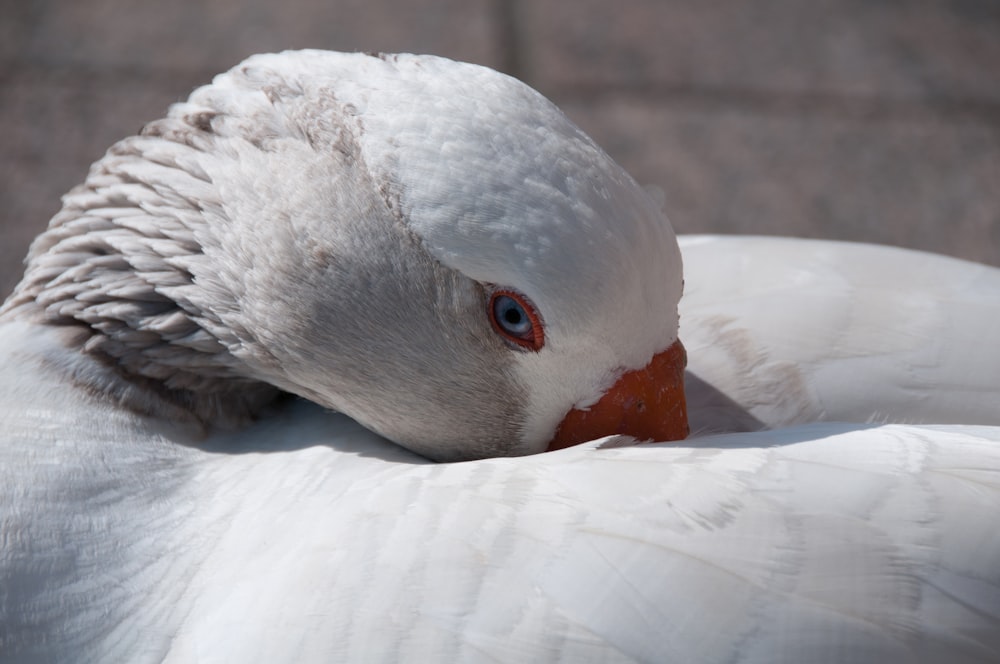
[647,403]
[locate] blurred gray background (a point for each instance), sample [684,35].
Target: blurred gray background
[870,120]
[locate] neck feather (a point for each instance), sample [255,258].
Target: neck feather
[115,269]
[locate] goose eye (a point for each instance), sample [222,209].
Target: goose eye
[515,319]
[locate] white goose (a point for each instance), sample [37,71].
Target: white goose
[432,249]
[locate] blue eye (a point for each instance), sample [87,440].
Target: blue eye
[511,316]
[515,319]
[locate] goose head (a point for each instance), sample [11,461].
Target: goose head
[429,247]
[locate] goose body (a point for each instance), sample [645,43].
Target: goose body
[145,521]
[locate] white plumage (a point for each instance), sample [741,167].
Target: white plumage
[301,536]
[797,331]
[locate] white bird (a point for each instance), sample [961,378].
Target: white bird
[433,250]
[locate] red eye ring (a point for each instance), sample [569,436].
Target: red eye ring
[514,318]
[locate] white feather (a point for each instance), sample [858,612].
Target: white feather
[191,271]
